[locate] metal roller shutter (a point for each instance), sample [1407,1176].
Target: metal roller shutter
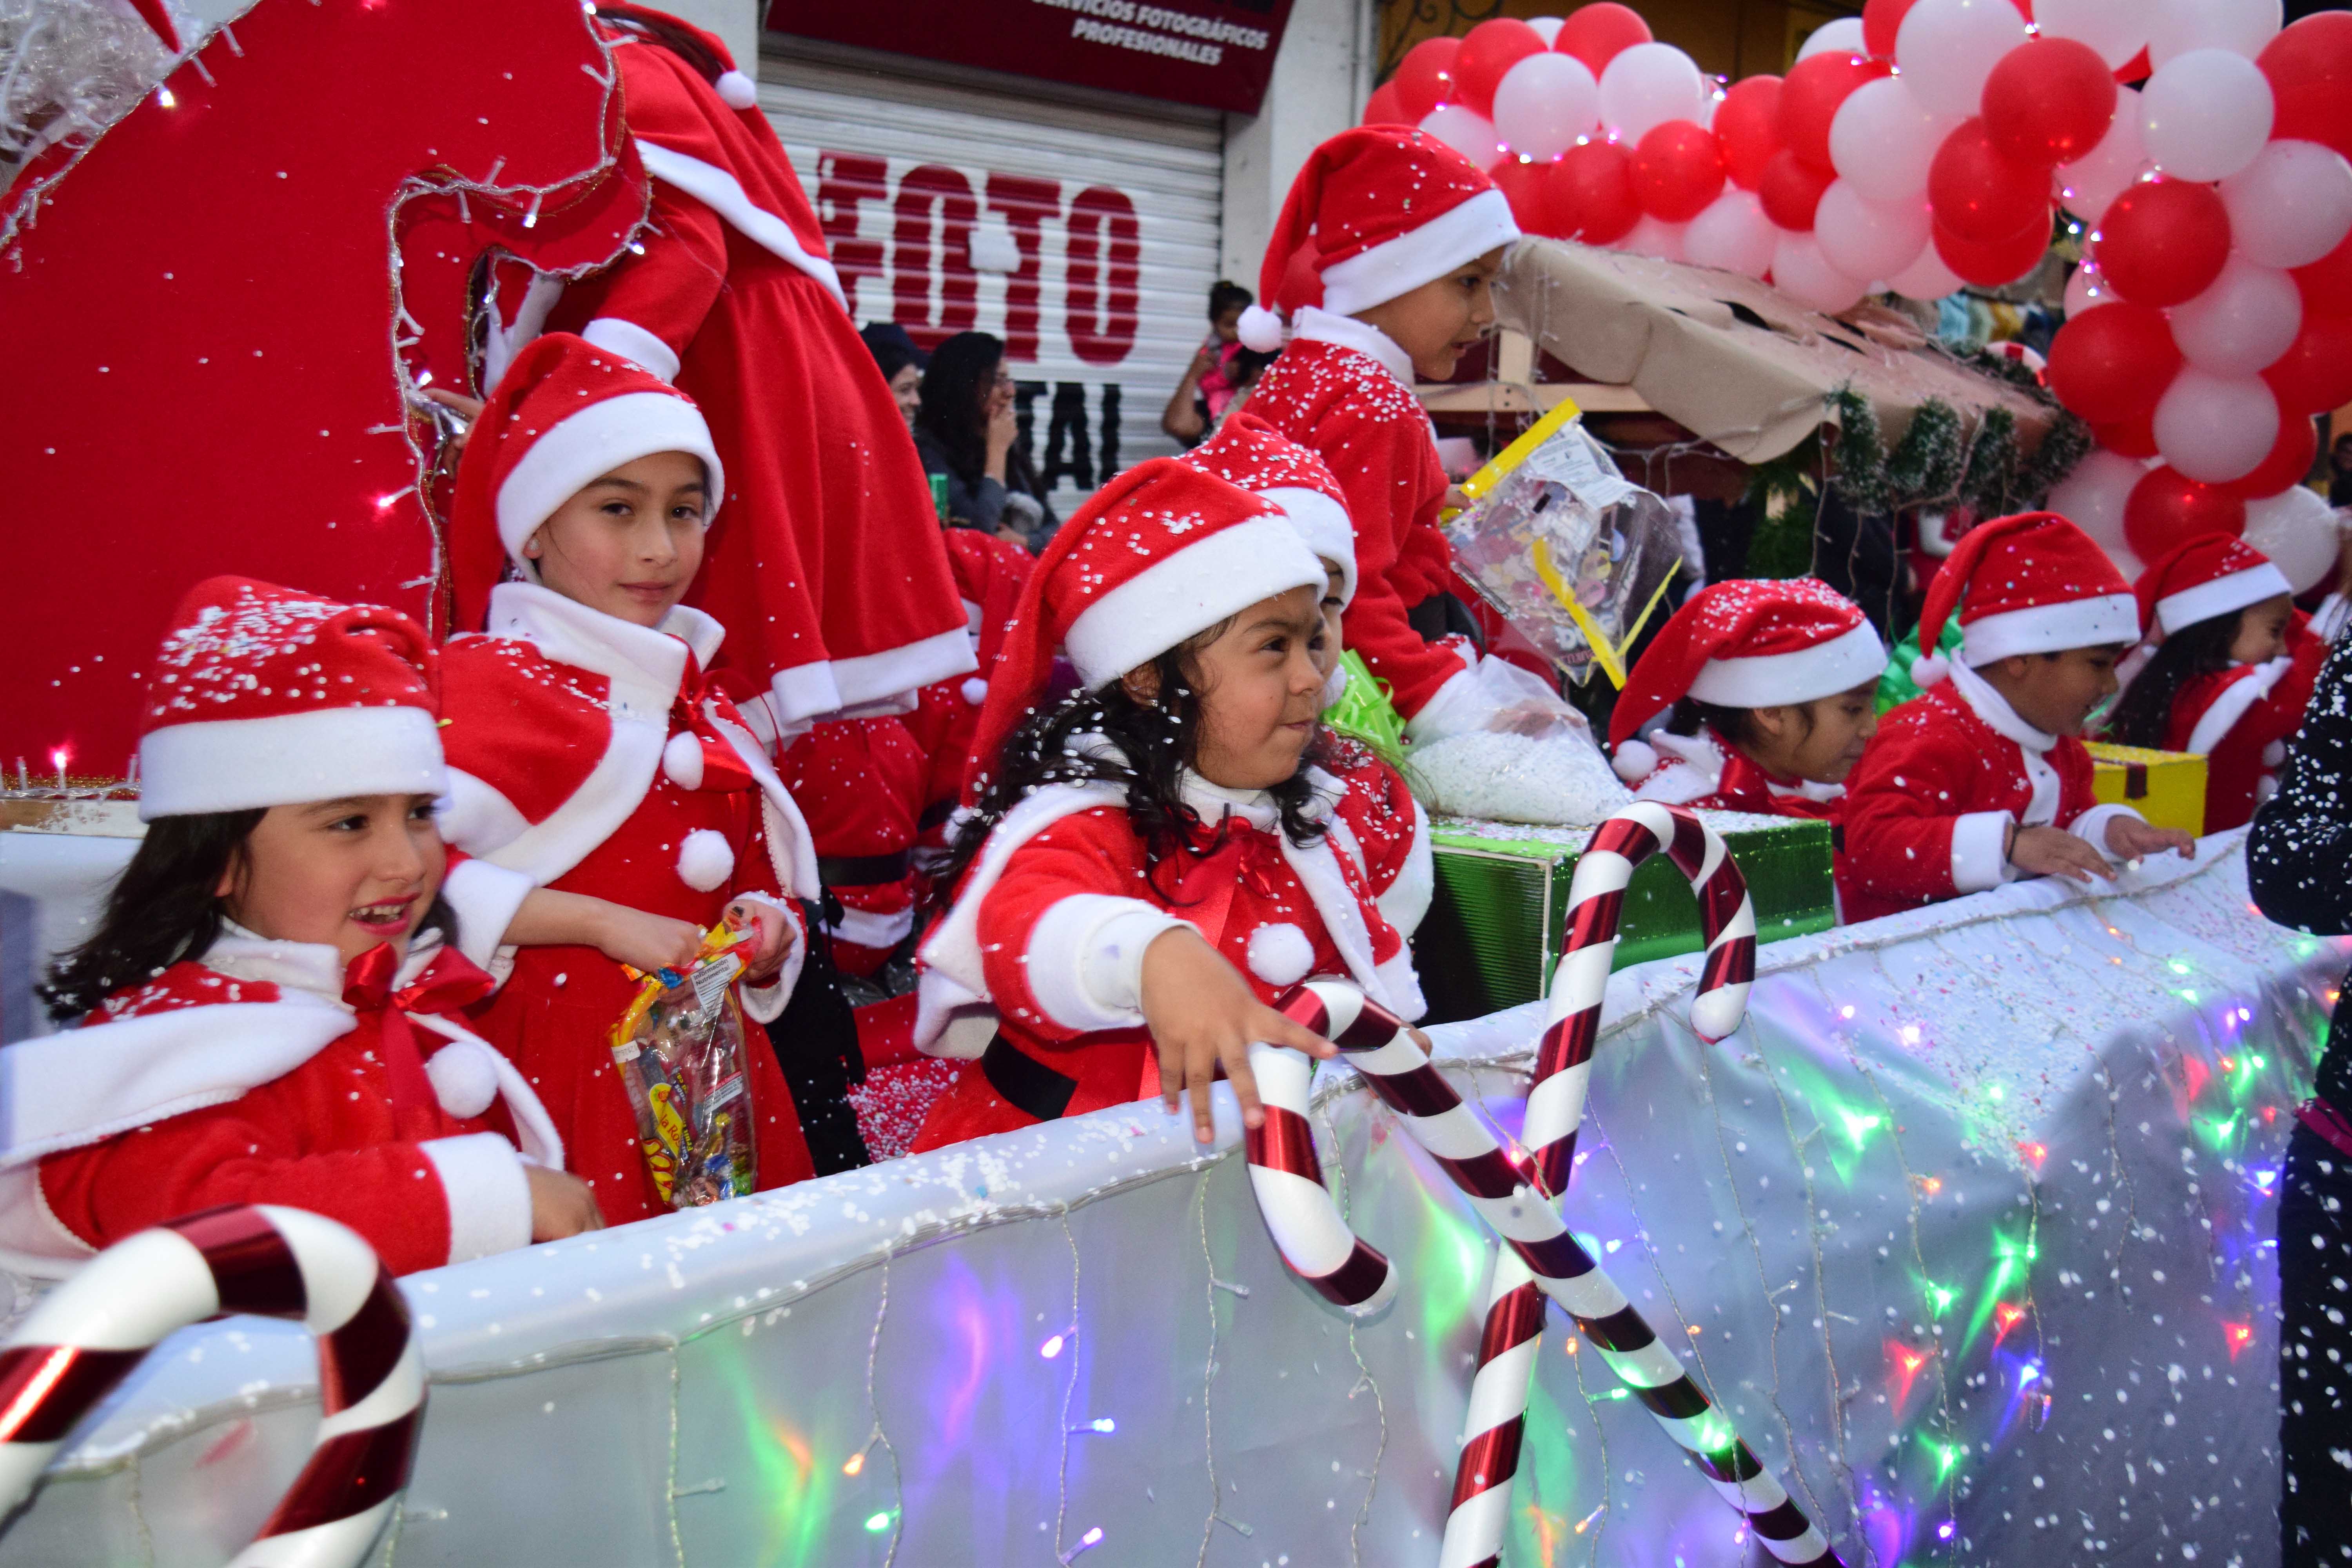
[1085,239]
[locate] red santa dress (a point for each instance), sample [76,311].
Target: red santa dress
[990,573]
[859,783]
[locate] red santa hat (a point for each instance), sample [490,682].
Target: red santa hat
[564,413]
[2213,574]
[263,696]
[2030,584]
[1248,452]
[1377,211]
[1746,645]
[1162,553]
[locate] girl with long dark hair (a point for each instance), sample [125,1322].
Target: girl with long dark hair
[966,429]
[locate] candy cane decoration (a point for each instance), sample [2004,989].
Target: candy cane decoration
[1287,1177]
[1503,1190]
[1596,901]
[89,1332]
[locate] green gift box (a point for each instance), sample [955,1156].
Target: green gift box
[1492,931]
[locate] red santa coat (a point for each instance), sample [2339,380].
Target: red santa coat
[990,573]
[1929,805]
[1044,948]
[571,761]
[2240,720]
[244,1077]
[1707,772]
[860,782]
[824,560]
[1345,389]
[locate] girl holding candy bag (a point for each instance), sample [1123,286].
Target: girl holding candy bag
[1149,861]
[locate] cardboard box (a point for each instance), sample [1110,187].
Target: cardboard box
[2166,787]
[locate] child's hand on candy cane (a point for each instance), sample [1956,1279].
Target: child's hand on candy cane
[1202,1016]
[771,935]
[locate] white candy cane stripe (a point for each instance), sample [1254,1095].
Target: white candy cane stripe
[1596,902]
[275,1262]
[1497,1184]
[1288,1178]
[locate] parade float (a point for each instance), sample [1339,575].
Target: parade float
[1940,1238]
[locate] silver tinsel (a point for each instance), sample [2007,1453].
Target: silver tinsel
[69,68]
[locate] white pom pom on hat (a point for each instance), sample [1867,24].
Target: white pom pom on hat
[737,91]
[1280,954]
[465,1080]
[1634,760]
[682,759]
[1930,671]
[1260,329]
[705,860]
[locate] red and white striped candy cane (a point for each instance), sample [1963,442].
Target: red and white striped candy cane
[1596,901]
[1500,1186]
[1287,1177]
[89,1332]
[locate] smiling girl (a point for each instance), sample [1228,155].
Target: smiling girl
[268,994]
[1150,861]
[592,750]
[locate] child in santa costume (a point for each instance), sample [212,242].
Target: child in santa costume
[1381,258]
[2232,675]
[272,992]
[589,748]
[829,573]
[860,785]
[1768,690]
[990,573]
[1152,859]
[1982,778]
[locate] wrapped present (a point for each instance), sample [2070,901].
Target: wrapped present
[1492,931]
[2166,787]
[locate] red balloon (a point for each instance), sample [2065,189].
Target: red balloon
[1978,193]
[1881,21]
[2298,445]
[1791,190]
[1589,194]
[2163,242]
[2111,365]
[1677,170]
[2326,283]
[2133,437]
[1491,49]
[1424,78]
[1522,185]
[2314,374]
[2166,509]
[1598,34]
[1810,98]
[1748,128]
[1385,108]
[2003,262]
[2310,69]
[2049,102]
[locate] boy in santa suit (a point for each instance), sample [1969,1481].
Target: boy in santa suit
[588,747]
[829,575]
[2234,673]
[1151,860]
[1768,690]
[270,1002]
[1383,256]
[1982,778]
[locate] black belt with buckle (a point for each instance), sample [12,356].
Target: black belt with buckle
[1025,1083]
[861,870]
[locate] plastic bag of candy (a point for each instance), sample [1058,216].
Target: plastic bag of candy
[679,1050]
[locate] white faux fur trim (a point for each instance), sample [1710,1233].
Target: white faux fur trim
[1977,860]
[878,677]
[1461,233]
[2176,612]
[1322,523]
[1841,663]
[802,693]
[1084,961]
[2092,827]
[2233,701]
[865,928]
[482,1181]
[288,758]
[600,437]
[618,334]
[764,1002]
[484,897]
[720,191]
[1187,592]
[1310,325]
[2111,618]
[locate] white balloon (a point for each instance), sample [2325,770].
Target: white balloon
[1947,48]
[2087,290]
[1864,238]
[2175,27]
[2206,114]
[2291,206]
[1546,27]
[2089,185]
[1926,278]
[1883,139]
[1466,130]
[2242,323]
[1653,236]
[1842,36]
[1732,234]
[2116,28]
[2216,429]
[1800,271]
[1544,104]
[1647,85]
[2298,531]
[2092,498]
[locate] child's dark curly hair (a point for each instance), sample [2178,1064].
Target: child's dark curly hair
[2144,712]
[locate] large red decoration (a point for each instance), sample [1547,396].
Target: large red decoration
[1598,32]
[2050,102]
[1748,128]
[1981,194]
[1677,171]
[2310,69]
[2114,362]
[219,294]
[2166,509]
[2163,242]
[1491,49]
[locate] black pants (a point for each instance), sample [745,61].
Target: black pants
[2315,1256]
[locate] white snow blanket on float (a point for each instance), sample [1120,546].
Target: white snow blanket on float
[1971,1222]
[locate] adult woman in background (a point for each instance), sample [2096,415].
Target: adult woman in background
[965,428]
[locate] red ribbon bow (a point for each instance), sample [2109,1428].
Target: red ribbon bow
[451,980]
[722,767]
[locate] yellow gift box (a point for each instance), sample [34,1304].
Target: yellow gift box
[2166,787]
